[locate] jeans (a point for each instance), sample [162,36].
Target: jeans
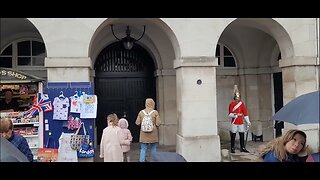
[143,150]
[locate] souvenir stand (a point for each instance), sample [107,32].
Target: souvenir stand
[25,88]
[56,122]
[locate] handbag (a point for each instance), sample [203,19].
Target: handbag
[76,139]
[87,149]
[48,154]
[73,123]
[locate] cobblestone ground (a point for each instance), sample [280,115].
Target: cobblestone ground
[225,147]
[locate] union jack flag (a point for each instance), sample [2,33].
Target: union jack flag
[41,102]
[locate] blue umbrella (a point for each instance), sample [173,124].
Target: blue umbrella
[301,110]
[167,157]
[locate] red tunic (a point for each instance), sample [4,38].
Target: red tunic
[239,109]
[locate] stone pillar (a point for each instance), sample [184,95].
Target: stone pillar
[66,69]
[300,76]
[197,137]
[167,105]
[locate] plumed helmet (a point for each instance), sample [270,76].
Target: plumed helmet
[236,93]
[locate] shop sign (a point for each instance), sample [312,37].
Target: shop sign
[9,73]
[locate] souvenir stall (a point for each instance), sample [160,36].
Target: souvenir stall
[71,123]
[28,116]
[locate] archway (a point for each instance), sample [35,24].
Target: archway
[255,45]
[124,79]
[22,46]
[160,42]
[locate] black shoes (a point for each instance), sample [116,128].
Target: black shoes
[244,150]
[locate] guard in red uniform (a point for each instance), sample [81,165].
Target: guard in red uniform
[238,114]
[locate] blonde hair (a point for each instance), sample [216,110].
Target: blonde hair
[5,125]
[150,104]
[278,144]
[113,119]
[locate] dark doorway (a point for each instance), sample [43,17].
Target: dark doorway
[124,79]
[278,100]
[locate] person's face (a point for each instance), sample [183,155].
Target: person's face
[8,95]
[6,135]
[295,145]
[237,97]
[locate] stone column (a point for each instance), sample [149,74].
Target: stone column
[167,105]
[197,137]
[300,76]
[67,69]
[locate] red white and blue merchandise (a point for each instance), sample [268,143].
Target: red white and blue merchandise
[60,108]
[41,102]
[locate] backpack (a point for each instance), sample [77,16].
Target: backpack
[147,125]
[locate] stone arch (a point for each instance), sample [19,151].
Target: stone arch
[157,33]
[161,43]
[20,29]
[271,26]
[254,42]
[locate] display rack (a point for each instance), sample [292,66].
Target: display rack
[24,87]
[28,128]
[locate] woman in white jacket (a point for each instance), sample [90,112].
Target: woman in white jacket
[110,149]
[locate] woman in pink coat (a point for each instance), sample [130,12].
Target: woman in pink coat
[126,139]
[110,148]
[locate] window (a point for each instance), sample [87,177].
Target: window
[23,53]
[225,57]
[6,57]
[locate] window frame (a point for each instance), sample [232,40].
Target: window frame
[15,56]
[222,56]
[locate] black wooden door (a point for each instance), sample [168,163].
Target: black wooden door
[278,101]
[278,92]
[124,79]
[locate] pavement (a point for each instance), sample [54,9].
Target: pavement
[226,156]
[135,152]
[251,146]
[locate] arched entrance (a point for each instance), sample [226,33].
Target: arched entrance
[124,79]
[256,47]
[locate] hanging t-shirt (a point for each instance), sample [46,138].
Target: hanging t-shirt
[89,105]
[60,108]
[75,104]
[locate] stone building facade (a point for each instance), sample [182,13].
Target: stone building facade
[194,61]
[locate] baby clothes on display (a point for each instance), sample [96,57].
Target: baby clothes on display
[75,104]
[60,108]
[89,105]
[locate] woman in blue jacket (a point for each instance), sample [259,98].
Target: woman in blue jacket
[291,147]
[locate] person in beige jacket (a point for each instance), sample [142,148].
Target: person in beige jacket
[110,148]
[147,138]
